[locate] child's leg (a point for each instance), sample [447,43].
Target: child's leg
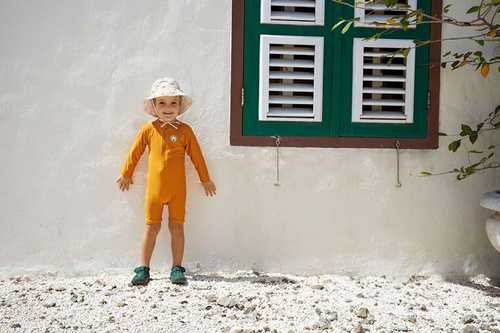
[177,242]
[148,243]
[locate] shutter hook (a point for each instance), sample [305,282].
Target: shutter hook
[278,141]
[398,184]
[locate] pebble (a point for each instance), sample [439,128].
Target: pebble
[362,313]
[469,319]
[239,303]
[318,287]
[470,329]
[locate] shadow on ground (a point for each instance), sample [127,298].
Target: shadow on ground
[258,278]
[492,290]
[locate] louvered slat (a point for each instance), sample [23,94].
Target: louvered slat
[381,115]
[291,75]
[285,16]
[387,78]
[289,113]
[292,3]
[291,87]
[387,102]
[291,100]
[292,50]
[384,66]
[383,91]
[292,63]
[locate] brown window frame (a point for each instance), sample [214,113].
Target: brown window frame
[236,126]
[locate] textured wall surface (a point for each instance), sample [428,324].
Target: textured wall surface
[73,76]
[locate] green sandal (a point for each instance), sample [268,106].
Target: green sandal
[141,277]
[177,276]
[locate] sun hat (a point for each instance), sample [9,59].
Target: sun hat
[166,87]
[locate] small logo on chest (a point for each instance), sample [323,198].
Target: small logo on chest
[173,138]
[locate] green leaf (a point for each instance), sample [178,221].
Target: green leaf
[479,126]
[479,41]
[475,152]
[406,52]
[474,9]
[446,9]
[442,134]
[338,24]
[473,138]
[491,147]
[347,26]
[424,174]
[466,130]
[454,145]
[443,64]
[497,109]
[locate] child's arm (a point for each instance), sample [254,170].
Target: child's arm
[194,151]
[133,157]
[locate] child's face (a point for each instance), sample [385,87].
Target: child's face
[167,107]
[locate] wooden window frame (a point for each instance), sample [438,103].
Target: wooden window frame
[236,123]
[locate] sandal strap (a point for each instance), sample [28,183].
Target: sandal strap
[178,268]
[142,269]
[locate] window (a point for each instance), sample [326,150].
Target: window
[293,76]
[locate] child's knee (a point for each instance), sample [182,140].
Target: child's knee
[176,228]
[153,229]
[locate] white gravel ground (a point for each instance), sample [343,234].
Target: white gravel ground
[249,302]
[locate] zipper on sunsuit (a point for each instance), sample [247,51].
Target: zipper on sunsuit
[164,148]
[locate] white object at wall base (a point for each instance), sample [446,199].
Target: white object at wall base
[493,230]
[491,200]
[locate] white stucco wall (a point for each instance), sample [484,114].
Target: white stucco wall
[73,76]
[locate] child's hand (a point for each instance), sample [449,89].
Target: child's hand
[124,182]
[209,188]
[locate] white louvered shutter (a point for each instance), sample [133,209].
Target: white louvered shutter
[295,12]
[380,13]
[383,92]
[291,78]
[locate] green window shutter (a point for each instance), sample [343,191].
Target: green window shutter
[275,104]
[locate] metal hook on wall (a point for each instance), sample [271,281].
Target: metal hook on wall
[398,184]
[278,141]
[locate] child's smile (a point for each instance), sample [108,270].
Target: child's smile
[167,107]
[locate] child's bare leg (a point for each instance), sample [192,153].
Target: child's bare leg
[177,242]
[148,243]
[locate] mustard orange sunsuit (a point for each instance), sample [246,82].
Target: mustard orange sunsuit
[168,144]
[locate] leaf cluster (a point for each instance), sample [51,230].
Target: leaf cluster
[483,20]
[471,135]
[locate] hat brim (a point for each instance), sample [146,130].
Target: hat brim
[148,106]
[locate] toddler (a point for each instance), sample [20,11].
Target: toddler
[168,140]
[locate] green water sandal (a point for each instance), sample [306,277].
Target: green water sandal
[141,277]
[177,275]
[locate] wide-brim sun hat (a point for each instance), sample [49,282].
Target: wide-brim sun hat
[166,87]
